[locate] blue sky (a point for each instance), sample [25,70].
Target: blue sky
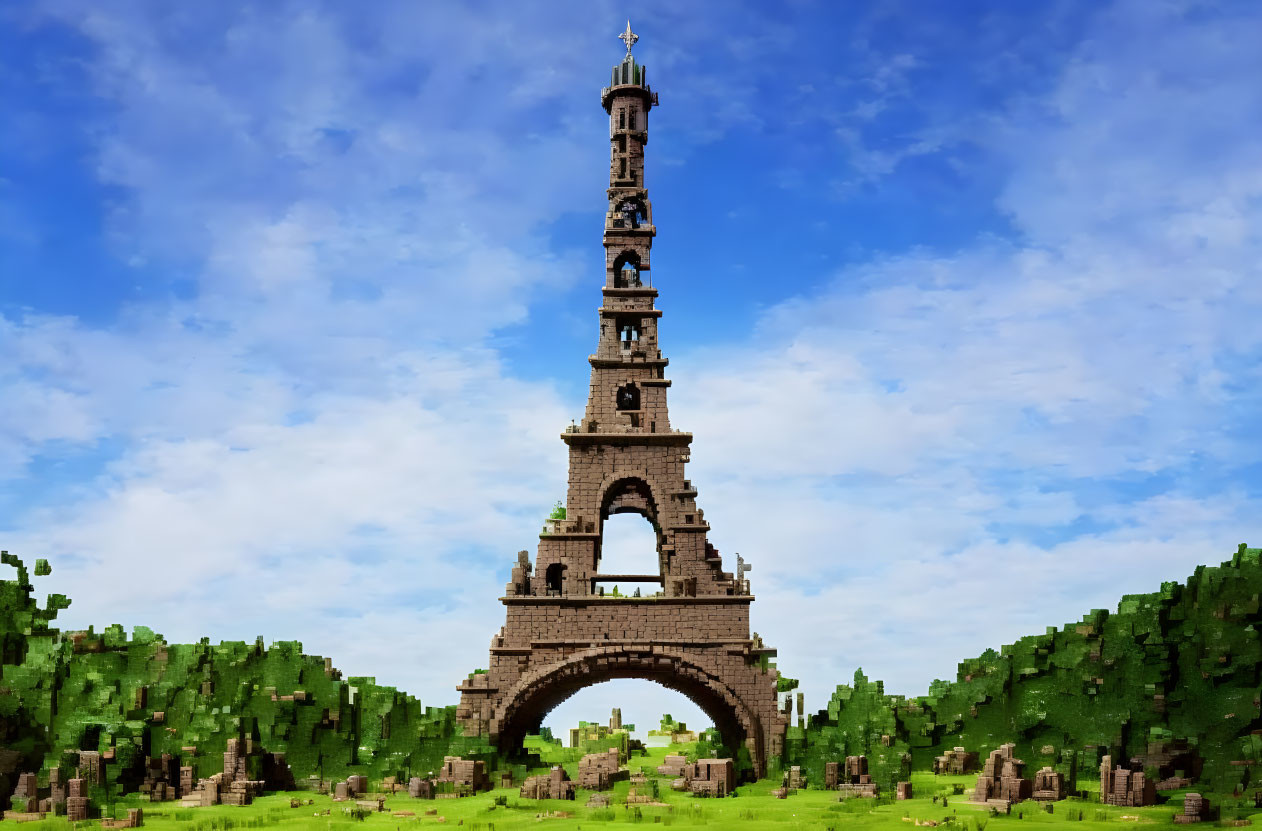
[961,301]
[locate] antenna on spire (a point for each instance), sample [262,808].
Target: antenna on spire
[629,37]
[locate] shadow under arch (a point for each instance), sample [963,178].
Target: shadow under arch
[536,695]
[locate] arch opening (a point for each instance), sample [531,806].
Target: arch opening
[642,705]
[627,272]
[525,714]
[629,213]
[630,495]
[554,579]
[629,550]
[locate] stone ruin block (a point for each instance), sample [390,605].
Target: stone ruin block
[1195,809]
[555,784]
[673,766]
[599,771]
[850,777]
[162,778]
[206,793]
[1001,780]
[56,786]
[76,808]
[955,761]
[238,792]
[711,777]
[27,786]
[795,780]
[1049,785]
[92,767]
[1128,788]
[902,790]
[465,775]
[234,761]
[419,788]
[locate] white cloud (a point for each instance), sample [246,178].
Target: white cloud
[904,454]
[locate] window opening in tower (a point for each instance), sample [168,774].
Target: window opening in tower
[630,214]
[555,578]
[629,397]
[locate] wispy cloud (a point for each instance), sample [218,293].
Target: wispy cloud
[937,454]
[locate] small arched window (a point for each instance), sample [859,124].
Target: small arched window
[624,265]
[632,213]
[629,397]
[555,578]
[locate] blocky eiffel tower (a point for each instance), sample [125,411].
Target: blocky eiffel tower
[562,632]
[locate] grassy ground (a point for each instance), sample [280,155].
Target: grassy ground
[752,807]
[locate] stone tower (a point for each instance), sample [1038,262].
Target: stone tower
[562,633]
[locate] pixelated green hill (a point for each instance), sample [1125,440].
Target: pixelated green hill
[1179,665]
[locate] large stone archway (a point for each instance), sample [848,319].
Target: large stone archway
[523,709]
[562,632]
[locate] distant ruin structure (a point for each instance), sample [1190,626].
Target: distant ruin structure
[599,771]
[1049,785]
[1120,786]
[463,776]
[555,784]
[851,777]
[956,761]
[1001,782]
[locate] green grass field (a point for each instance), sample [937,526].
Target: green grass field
[753,807]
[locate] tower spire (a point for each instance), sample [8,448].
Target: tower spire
[629,37]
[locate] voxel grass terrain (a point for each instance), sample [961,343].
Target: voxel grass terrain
[752,807]
[1179,666]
